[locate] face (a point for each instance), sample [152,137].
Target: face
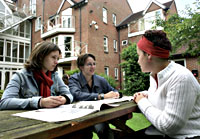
[143,60]
[89,67]
[50,61]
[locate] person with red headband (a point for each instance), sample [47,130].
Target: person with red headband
[172,102]
[38,84]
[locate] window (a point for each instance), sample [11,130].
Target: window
[116,73]
[106,70]
[115,45]
[38,24]
[33,6]
[68,46]
[104,15]
[8,50]
[15,51]
[124,42]
[1,49]
[114,19]
[105,43]
[21,52]
[27,50]
[141,24]
[181,62]
[158,14]
[55,40]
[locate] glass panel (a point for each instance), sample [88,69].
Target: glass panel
[28,28]
[7,77]
[22,29]
[2,7]
[67,46]
[27,50]
[8,50]
[16,30]
[1,49]
[14,51]
[21,52]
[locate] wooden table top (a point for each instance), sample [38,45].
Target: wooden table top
[17,127]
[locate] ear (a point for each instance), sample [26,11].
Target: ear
[149,58]
[81,68]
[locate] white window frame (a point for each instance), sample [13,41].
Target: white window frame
[184,61]
[116,74]
[141,25]
[124,42]
[106,70]
[105,16]
[114,19]
[105,43]
[55,40]
[115,45]
[38,24]
[32,6]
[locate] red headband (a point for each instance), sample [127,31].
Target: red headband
[148,47]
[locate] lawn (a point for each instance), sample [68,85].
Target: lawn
[137,122]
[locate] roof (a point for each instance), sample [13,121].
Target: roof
[138,15]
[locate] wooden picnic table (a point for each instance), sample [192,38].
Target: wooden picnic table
[18,127]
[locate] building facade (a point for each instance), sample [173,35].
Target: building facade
[100,27]
[136,24]
[15,39]
[76,26]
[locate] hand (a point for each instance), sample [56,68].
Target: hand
[52,101]
[111,94]
[138,96]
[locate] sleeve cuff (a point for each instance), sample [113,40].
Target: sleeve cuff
[144,104]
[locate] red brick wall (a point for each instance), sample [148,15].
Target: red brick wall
[192,64]
[94,38]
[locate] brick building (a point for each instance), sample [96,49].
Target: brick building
[100,27]
[136,24]
[76,26]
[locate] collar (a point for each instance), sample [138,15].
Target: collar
[83,81]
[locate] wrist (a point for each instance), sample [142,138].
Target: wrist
[101,96]
[40,103]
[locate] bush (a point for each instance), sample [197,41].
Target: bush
[135,80]
[71,72]
[110,80]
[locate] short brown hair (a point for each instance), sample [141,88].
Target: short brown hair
[82,58]
[36,58]
[158,38]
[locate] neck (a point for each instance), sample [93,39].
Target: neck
[158,66]
[88,78]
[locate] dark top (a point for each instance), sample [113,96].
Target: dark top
[81,91]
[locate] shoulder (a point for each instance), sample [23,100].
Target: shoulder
[98,78]
[75,76]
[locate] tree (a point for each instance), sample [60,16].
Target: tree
[184,31]
[135,80]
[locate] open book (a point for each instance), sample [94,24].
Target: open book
[71,111]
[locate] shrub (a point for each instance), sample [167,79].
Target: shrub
[135,80]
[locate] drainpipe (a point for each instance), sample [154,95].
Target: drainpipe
[120,75]
[80,26]
[43,4]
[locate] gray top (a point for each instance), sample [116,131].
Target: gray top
[22,92]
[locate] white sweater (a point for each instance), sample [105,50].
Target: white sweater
[174,107]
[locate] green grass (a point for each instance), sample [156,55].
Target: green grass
[137,122]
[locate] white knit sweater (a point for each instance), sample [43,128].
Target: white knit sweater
[174,107]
